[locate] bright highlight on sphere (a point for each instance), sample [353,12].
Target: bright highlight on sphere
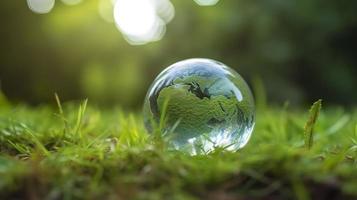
[206,2]
[199,105]
[142,21]
[41,6]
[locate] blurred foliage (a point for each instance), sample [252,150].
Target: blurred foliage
[299,50]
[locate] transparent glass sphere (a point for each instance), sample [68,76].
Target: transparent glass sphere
[197,105]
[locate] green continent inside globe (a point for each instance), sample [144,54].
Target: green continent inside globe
[191,110]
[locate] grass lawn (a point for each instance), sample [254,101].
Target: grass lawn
[90,153]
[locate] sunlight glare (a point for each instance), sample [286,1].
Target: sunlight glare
[142,21]
[135,17]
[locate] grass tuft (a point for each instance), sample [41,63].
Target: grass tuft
[81,152]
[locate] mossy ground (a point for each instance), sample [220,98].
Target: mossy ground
[78,153]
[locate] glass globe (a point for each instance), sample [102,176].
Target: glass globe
[197,105]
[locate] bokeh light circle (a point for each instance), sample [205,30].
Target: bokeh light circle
[142,21]
[41,6]
[206,2]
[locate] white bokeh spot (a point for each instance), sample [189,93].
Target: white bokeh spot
[41,6]
[206,2]
[142,21]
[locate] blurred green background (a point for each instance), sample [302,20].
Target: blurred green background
[300,50]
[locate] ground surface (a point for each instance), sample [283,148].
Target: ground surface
[77,153]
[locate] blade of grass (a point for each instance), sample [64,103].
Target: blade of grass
[37,142]
[61,115]
[81,111]
[310,123]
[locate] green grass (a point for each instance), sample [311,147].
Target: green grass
[80,152]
